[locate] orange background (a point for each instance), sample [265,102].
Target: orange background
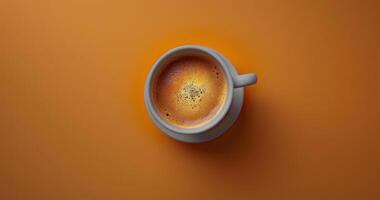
[73,123]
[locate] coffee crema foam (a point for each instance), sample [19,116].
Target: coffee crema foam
[189,91]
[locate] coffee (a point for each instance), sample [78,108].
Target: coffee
[189,91]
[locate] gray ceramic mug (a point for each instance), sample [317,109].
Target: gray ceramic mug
[223,119]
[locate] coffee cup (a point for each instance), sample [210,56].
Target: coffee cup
[228,108]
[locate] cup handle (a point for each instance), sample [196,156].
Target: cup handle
[244,80]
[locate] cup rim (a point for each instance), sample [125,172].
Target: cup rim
[158,64]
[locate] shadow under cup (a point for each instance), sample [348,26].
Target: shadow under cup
[165,62]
